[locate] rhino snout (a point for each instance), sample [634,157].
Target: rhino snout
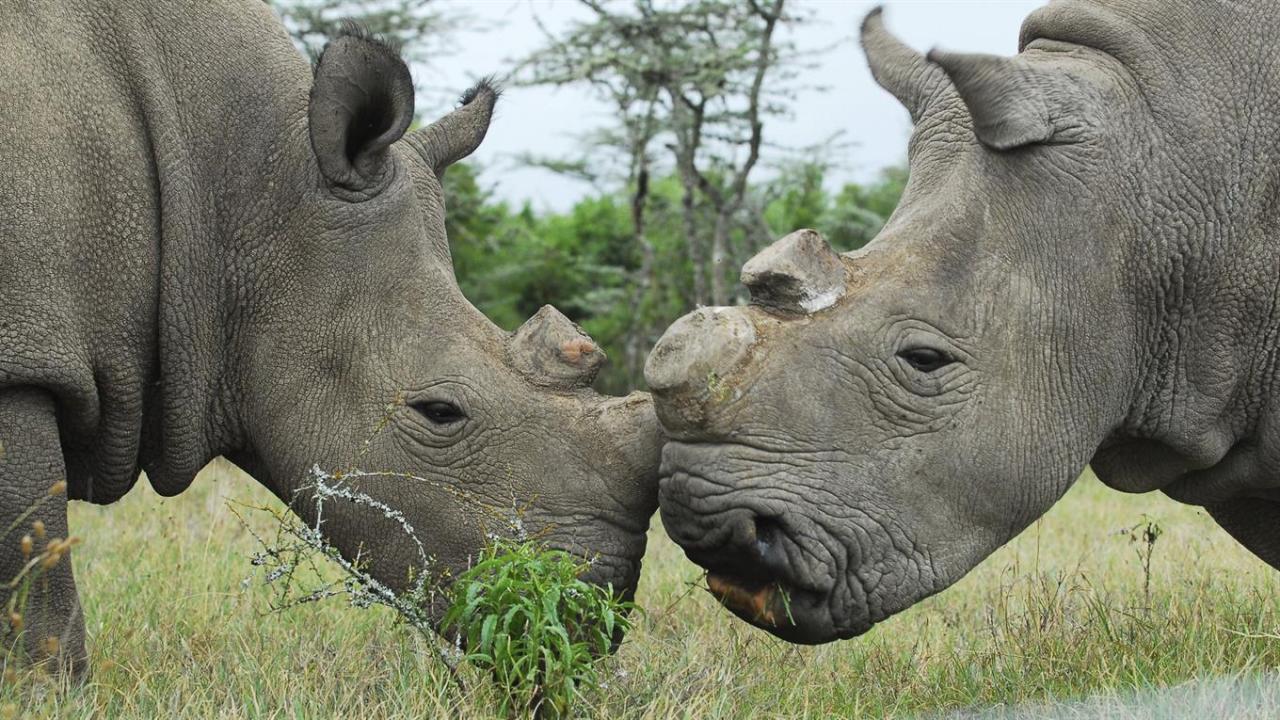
[632,425]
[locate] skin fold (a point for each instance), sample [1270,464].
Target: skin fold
[1082,270]
[209,248]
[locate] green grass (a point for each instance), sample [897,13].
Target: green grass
[1060,613]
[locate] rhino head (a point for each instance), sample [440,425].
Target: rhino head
[874,424]
[356,351]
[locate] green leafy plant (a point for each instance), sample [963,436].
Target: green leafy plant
[526,616]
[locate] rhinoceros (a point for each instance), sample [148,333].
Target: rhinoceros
[1083,270]
[209,247]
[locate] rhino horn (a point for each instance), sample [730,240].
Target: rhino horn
[798,274]
[901,70]
[457,135]
[551,350]
[1006,97]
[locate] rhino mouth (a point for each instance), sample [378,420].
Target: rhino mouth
[793,614]
[612,548]
[761,588]
[767,560]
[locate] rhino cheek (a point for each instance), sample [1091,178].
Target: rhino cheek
[632,449]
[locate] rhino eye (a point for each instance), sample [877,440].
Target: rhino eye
[440,412]
[925,359]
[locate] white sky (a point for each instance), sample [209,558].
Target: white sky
[546,121]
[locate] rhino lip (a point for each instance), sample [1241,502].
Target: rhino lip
[792,613]
[764,604]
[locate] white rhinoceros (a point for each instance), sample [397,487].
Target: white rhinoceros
[1084,269]
[209,247]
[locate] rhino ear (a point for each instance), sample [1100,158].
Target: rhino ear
[457,135]
[901,70]
[361,103]
[1007,97]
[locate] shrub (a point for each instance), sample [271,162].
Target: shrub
[526,615]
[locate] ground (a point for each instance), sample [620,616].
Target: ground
[1061,613]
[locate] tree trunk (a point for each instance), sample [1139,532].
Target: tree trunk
[697,256]
[636,346]
[719,259]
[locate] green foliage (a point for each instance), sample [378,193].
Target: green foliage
[849,219]
[527,617]
[691,85]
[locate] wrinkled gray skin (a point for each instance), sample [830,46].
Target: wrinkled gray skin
[1083,269]
[206,251]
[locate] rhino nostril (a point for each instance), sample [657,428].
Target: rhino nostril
[768,546]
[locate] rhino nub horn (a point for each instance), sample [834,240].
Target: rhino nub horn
[799,274]
[573,350]
[549,349]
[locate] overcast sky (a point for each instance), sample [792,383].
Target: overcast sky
[548,121]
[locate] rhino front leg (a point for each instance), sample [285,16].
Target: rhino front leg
[49,624]
[1254,523]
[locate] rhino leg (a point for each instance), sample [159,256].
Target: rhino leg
[51,626]
[1254,523]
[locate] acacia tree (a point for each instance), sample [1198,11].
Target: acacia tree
[613,55]
[721,98]
[690,85]
[420,27]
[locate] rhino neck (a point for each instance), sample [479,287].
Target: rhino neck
[222,96]
[1205,277]
[1192,219]
[1201,423]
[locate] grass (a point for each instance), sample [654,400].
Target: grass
[1059,613]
